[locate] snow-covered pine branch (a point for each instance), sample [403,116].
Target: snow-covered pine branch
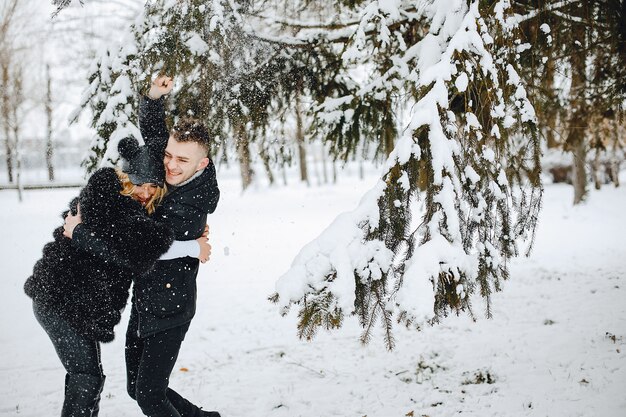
[112,99]
[223,76]
[465,168]
[163,38]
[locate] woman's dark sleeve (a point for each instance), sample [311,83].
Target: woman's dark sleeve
[88,241]
[144,242]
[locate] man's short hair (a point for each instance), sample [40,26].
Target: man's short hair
[192,130]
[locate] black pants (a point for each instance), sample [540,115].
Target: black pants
[81,359]
[149,363]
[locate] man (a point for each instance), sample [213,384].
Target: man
[164,300]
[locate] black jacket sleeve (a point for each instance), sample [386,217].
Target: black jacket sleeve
[88,241]
[152,124]
[212,190]
[146,241]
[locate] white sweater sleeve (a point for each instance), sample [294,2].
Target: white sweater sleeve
[180,249]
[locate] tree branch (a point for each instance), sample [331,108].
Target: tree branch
[517,19]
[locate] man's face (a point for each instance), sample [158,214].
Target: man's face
[182,160]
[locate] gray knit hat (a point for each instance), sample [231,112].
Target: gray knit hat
[140,164]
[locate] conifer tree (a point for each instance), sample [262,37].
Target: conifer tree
[434,86]
[466,152]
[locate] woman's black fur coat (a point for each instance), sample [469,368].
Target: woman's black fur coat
[87,288]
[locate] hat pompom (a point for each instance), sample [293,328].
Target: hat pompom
[128,148]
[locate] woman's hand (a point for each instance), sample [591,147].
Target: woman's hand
[205,248]
[161,86]
[71,221]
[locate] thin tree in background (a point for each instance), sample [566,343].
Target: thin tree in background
[6,119]
[17,97]
[579,112]
[300,139]
[243,153]
[14,18]
[49,118]
[8,17]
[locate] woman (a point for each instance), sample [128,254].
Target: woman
[78,292]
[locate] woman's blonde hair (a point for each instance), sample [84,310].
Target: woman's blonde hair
[128,188]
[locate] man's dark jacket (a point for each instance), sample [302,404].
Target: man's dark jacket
[86,281]
[166,296]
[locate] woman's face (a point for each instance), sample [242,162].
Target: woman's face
[144,192]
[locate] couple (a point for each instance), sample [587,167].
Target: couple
[145,223]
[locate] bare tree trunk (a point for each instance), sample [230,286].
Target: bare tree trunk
[6,118]
[17,83]
[550,110]
[615,161]
[9,156]
[578,120]
[266,164]
[48,106]
[304,176]
[595,170]
[18,165]
[579,152]
[243,152]
[614,170]
[323,155]
[388,130]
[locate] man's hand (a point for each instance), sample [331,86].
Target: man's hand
[71,221]
[205,249]
[161,86]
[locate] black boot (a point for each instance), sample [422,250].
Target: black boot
[82,395]
[96,407]
[210,414]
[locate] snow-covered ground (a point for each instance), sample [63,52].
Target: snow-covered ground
[555,347]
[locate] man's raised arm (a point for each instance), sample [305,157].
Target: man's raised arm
[152,114]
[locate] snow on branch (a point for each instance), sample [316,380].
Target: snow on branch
[514,20]
[375,262]
[167,36]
